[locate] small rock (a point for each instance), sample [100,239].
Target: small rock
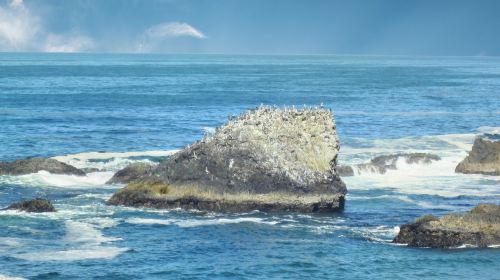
[131,173]
[37,205]
[33,165]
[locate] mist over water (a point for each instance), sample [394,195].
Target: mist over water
[107,111]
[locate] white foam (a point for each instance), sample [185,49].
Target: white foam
[141,221]
[9,242]
[46,179]
[489,130]
[111,155]
[78,232]
[464,246]
[378,234]
[222,221]
[199,222]
[110,161]
[435,178]
[5,277]
[103,222]
[98,252]
[85,241]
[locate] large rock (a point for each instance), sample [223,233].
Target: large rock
[33,165]
[480,227]
[266,159]
[37,205]
[483,159]
[131,173]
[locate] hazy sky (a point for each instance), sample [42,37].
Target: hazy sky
[399,27]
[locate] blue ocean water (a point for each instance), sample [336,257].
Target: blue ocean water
[71,105]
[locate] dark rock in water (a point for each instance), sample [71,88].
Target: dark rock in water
[90,170]
[345,170]
[267,159]
[38,205]
[480,228]
[131,173]
[381,164]
[483,159]
[33,165]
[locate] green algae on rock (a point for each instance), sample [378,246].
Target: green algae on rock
[479,227]
[266,159]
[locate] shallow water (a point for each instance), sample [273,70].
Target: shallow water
[64,104]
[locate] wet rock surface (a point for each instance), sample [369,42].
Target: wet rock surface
[479,227]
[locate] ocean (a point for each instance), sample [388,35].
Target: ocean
[105,111]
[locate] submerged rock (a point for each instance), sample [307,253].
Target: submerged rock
[266,159]
[37,205]
[381,164]
[131,173]
[483,159]
[480,227]
[33,165]
[88,170]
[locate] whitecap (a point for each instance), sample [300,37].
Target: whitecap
[111,161]
[85,242]
[489,130]
[46,179]
[142,221]
[222,221]
[103,222]
[98,252]
[5,277]
[79,232]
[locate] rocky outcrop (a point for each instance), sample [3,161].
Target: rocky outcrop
[483,159]
[480,228]
[266,159]
[132,172]
[33,165]
[381,164]
[37,205]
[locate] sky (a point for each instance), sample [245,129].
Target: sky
[365,27]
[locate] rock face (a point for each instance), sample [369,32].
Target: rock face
[131,173]
[483,159]
[33,165]
[38,205]
[266,159]
[480,227]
